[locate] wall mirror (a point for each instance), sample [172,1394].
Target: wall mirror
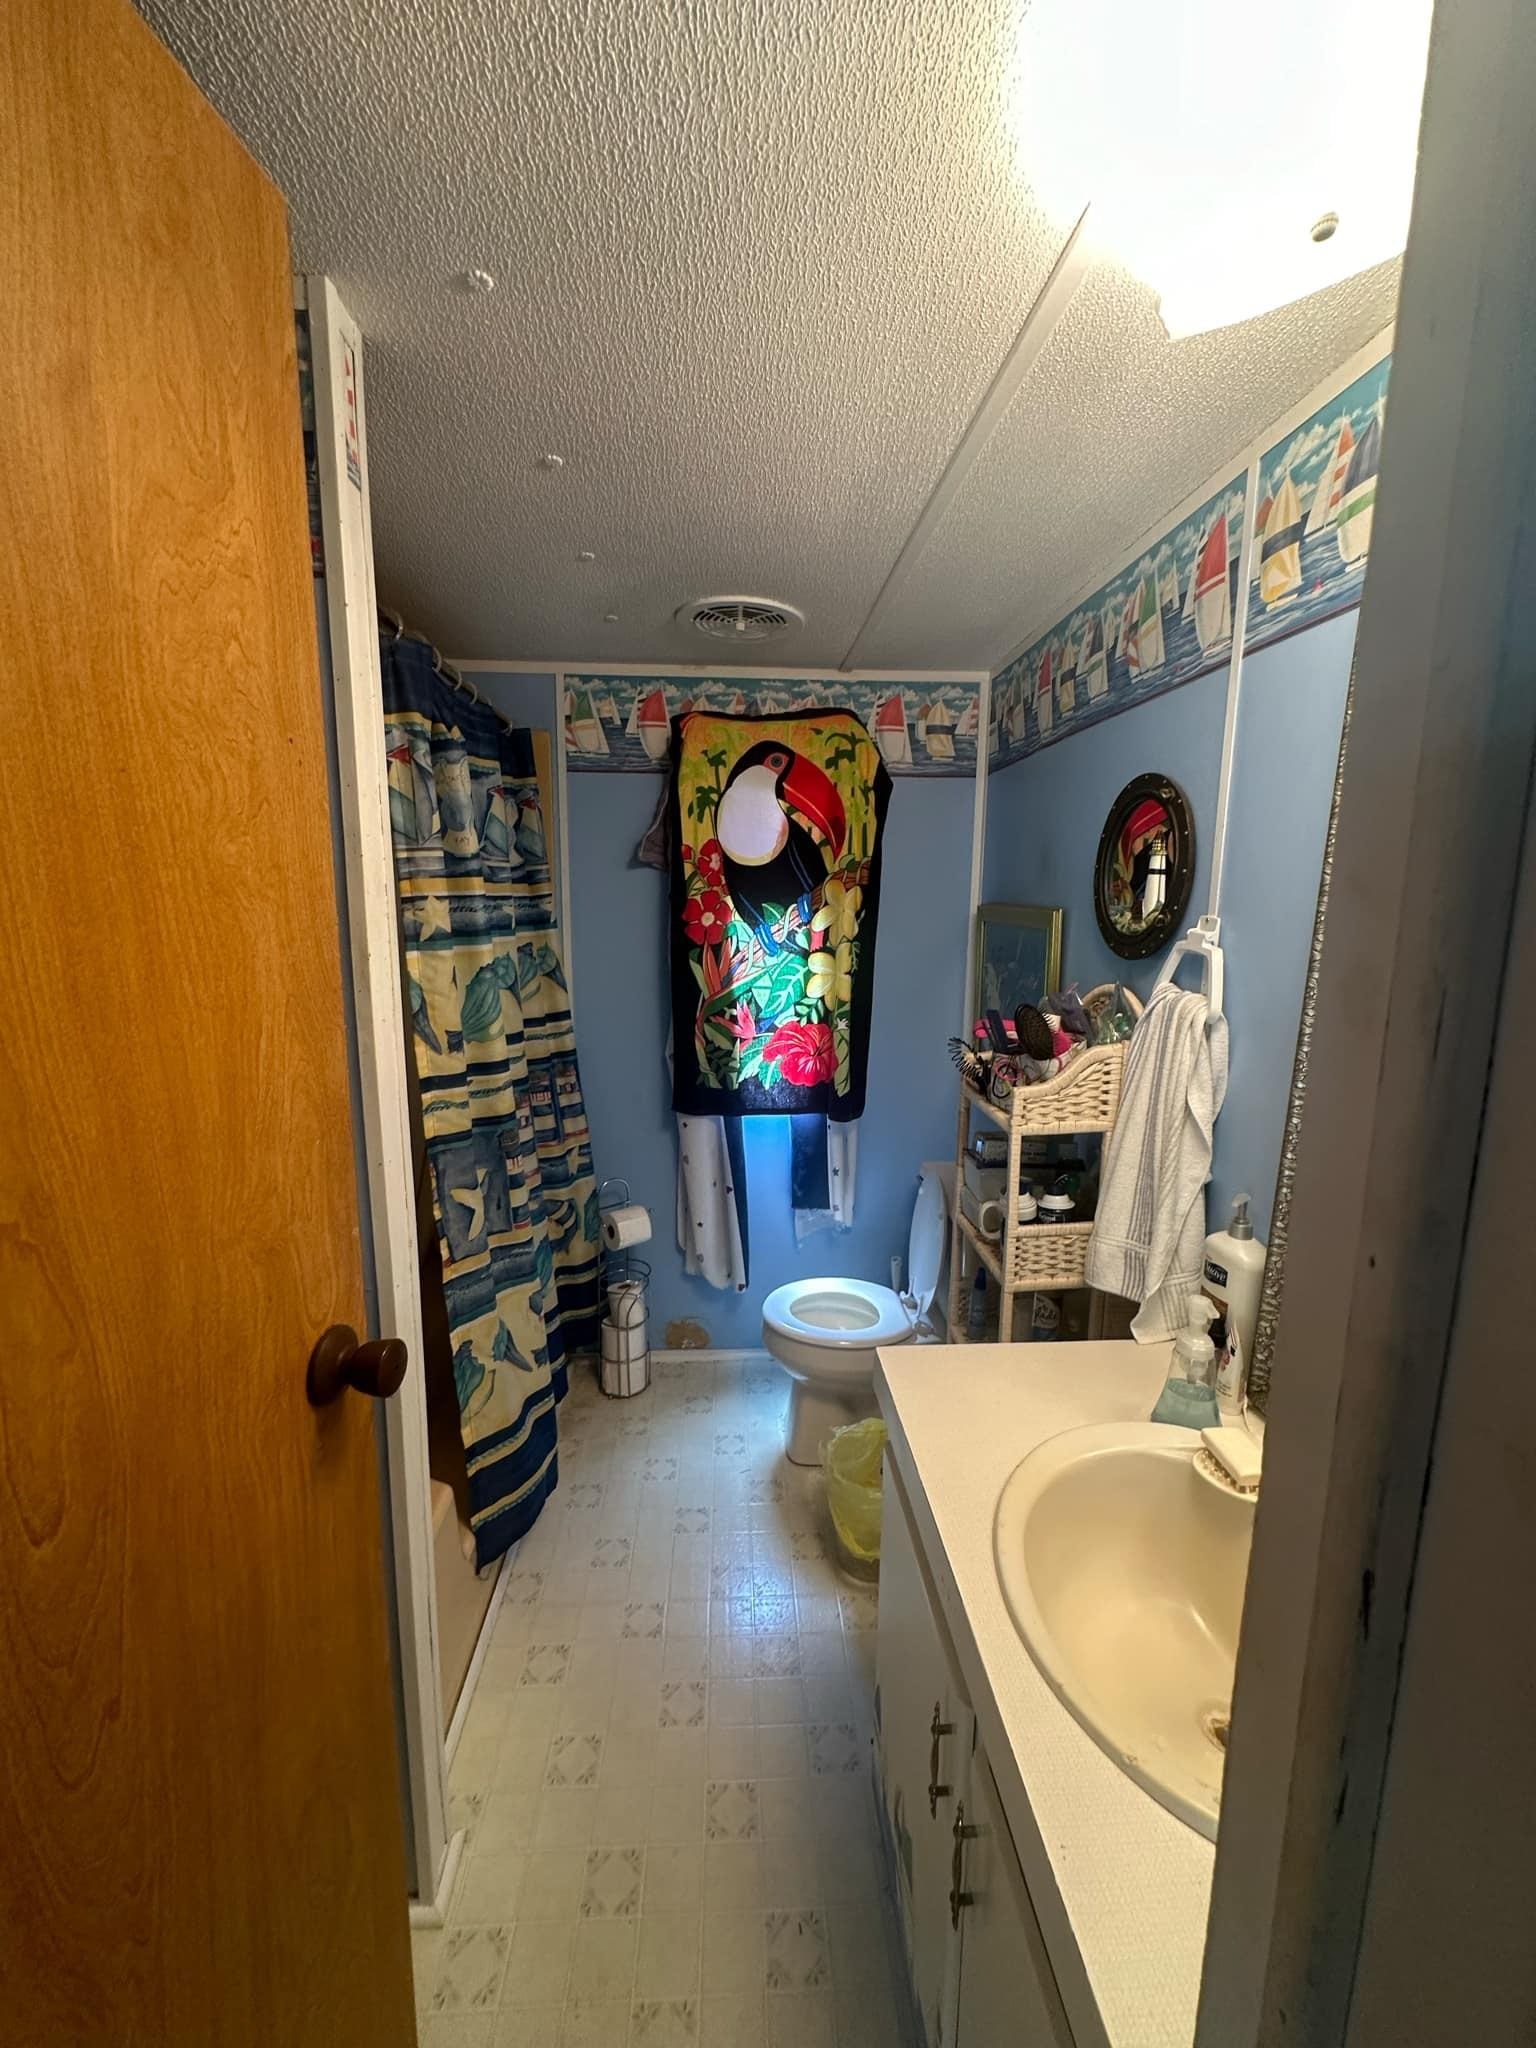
[1144,867]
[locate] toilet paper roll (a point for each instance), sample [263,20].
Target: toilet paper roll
[628,1225]
[624,1346]
[626,1303]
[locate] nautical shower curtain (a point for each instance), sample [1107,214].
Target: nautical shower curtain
[776,827]
[495,1057]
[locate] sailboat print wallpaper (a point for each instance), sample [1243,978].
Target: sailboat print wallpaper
[923,725]
[1167,616]
[1317,497]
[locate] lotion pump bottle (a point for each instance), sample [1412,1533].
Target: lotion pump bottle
[1233,1277]
[1189,1397]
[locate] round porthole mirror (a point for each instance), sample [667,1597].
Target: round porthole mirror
[1145,867]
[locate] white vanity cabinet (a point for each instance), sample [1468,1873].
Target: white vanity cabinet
[1008,1996]
[979,1971]
[924,1735]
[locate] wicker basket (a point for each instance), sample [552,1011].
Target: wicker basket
[1098,1000]
[1049,1255]
[1085,1095]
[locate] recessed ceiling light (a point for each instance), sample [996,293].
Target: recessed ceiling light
[551,462]
[482,281]
[610,618]
[586,555]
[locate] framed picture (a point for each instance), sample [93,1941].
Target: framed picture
[1145,867]
[1018,956]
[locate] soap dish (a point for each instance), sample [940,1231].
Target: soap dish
[1231,1461]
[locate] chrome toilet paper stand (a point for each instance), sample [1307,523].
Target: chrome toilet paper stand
[626,1282]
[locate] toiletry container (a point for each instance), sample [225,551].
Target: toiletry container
[1045,1309]
[976,1316]
[1232,1277]
[1188,1398]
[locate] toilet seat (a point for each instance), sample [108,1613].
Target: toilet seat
[826,1332]
[838,1315]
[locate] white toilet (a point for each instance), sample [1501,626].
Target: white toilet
[825,1332]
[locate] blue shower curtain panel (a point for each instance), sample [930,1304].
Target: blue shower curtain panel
[494,1051]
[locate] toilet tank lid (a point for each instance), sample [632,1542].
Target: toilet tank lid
[925,1247]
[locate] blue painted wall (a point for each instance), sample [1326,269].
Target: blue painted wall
[618,957]
[619,929]
[1289,717]
[1045,814]
[621,1027]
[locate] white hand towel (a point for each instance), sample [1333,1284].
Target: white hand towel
[1149,1231]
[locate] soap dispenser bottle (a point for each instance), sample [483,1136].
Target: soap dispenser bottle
[1233,1280]
[1189,1397]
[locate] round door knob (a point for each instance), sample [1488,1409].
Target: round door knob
[338,1361]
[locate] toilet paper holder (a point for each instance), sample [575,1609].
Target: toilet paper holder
[625,1281]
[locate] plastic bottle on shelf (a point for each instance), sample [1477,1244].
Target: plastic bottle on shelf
[976,1316]
[1044,1319]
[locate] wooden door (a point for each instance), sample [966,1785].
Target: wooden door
[1008,1995]
[200,1837]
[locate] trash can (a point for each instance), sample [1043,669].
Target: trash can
[852,1460]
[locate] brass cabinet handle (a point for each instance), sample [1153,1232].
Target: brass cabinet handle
[937,1731]
[957,1898]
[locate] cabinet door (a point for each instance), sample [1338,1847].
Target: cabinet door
[924,1734]
[1008,1996]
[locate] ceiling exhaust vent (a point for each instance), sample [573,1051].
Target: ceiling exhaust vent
[740,619]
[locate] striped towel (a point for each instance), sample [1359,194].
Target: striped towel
[1149,1230]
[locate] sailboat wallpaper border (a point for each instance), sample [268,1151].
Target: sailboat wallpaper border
[1163,620]
[1310,546]
[1317,497]
[618,722]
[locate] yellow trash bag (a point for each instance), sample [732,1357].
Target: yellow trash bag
[852,1458]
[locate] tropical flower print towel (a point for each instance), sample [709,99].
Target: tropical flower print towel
[776,827]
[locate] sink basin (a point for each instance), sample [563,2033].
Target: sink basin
[1124,1570]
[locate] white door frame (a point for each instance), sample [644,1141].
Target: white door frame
[1434,794]
[337,353]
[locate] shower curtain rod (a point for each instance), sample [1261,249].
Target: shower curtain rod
[445,669]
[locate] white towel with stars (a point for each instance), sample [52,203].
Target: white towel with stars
[708,1229]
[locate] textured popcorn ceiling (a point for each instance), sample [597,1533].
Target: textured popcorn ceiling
[758,262]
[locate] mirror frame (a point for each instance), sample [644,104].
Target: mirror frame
[1164,928]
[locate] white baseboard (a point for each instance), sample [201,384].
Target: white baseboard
[706,1354]
[472,1675]
[433,1912]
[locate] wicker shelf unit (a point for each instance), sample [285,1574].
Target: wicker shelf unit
[1032,1258]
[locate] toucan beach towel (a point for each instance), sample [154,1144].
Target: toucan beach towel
[776,826]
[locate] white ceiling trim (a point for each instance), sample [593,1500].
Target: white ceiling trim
[1242,462]
[1056,294]
[600,667]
